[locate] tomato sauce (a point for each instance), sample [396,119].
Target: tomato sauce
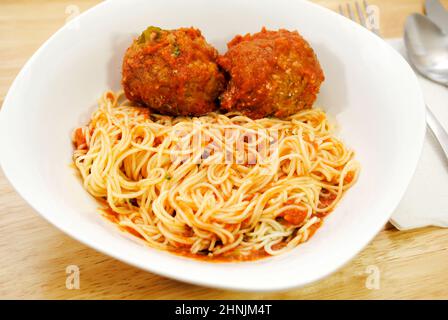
[290,216]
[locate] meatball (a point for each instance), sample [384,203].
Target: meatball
[173,72]
[272,73]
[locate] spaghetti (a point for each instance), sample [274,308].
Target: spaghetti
[220,186]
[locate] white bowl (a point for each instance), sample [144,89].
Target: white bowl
[369,89]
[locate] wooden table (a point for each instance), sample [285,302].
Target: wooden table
[34,254]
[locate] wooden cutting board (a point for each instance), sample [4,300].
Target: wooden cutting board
[35,255]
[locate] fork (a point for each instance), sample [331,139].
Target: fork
[364,14]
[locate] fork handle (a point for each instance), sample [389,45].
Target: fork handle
[438,130]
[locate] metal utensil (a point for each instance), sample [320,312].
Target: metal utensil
[437,13]
[363,15]
[428,50]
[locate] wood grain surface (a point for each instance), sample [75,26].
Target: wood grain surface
[34,254]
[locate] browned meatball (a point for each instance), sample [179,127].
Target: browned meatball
[173,72]
[272,73]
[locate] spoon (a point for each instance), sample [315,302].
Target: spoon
[427,49]
[437,13]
